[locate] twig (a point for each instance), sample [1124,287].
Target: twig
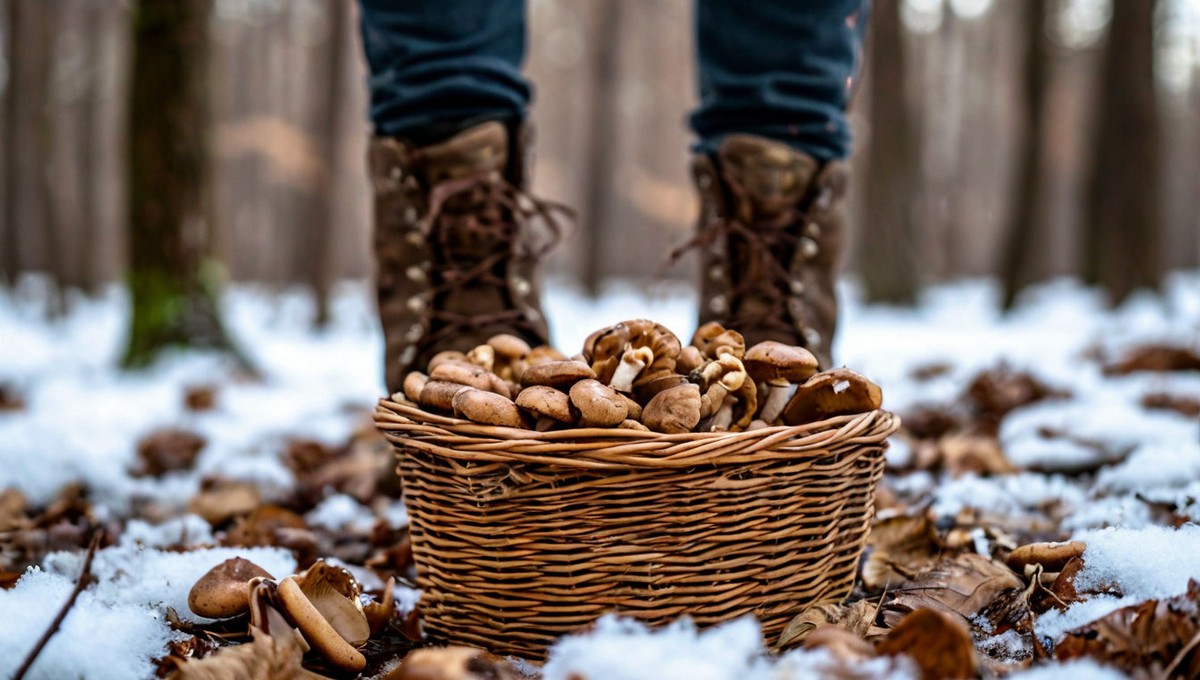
[80,583]
[1187,649]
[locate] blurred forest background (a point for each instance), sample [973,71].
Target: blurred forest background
[1022,139]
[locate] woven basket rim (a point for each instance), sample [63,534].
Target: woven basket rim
[407,425]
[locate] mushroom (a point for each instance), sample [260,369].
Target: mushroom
[439,394]
[380,613]
[316,629]
[444,356]
[634,408]
[414,382]
[725,381]
[454,663]
[560,374]
[605,348]
[466,373]
[1052,556]
[598,404]
[486,408]
[547,405]
[483,356]
[777,366]
[265,617]
[690,358]
[633,360]
[646,390]
[837,392]
[543,353]
[511,353]
[631,424]
[224,591]
[674,410]
[334,592]
[714,340]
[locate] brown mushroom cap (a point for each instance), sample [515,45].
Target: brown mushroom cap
[454,663]
[444,356]
[224,591]
[466,373]
[674,410]
[439,394]
[774,361]
[509,347]
[487,408]
[598,404]
[690,358]
[645,391]
[713,340]
[540,400]
[414,382]
[837,392]
[604,348]
[556,373]
[1052,556]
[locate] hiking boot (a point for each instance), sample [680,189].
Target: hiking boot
[454,261]
[771,230]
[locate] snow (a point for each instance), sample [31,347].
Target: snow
[1080,669]
[83,420]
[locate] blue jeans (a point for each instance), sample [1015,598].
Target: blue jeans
[781,69]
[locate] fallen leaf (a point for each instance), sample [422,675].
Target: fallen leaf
[1157,358]
[843,644]
[10,398]
[263,658]
[167,450]
[261,526]
[1179,403]
[899,548]
[964,453]
[220,500]
[1156,638]
[997,391]
[939,644]
[857,618]
[973,587]
[200,397]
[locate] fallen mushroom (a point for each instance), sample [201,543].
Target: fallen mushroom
[1052,556]
[380,613]
[224,591]
[547,405]
[486,408]
[454,663]
[316,629]
[598,404]
[777,367]
[837,392]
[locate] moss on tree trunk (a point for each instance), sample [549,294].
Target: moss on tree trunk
[172,282]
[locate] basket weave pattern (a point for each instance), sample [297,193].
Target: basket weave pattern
[520,537]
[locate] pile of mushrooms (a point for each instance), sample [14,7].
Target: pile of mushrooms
[637,375]
[321,608]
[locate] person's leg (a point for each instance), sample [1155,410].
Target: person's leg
[775,79]
[448,104]
[438,66]
[780,69]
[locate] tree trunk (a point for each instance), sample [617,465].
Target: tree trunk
[172,284]
[1025,231]
[889,270]
[1124,211]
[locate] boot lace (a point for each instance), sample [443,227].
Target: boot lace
[760,249]
[493,211]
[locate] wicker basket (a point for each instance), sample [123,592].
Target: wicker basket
[520,537]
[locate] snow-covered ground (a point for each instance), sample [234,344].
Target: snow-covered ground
[82,420]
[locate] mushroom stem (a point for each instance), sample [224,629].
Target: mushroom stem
[778,393]
[723,418]
[632,363]
[545,424]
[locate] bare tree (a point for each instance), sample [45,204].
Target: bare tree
[1124,211]
[1025,230]
[889,247]
[172,285]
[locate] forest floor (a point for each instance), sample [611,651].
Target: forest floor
[1061,421]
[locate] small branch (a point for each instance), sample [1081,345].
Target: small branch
[80,583]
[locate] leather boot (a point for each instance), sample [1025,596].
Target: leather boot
[454,259]
[772,223]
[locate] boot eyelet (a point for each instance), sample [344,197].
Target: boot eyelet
[718,304]
[410,215]
[396,173]
[808,248]
[415,332]
[811,337]
[416,273]
[416,304]
[534,315]
[716,272]
[415,239]
[521,286]
[704,181]
[812,230]
[408,355]
[797,287]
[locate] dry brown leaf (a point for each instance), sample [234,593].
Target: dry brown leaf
[997,391]
[220,500]
[263,658]
[167,450]
[1156,358]
[938,643]
[843,644]
[200,397]
[857,618]
[13,508]
[963,453]
[10,398]
[900,548]
[1157,638]
[1179,403]
[968,585]
[261,527]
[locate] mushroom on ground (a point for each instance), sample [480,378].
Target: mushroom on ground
[487,408]
[547,405]
[454,663]
[224,591]
[777,367]
[316,629]
[379,614]
[560,374]
[837,392]
[598,404]
[673,411]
